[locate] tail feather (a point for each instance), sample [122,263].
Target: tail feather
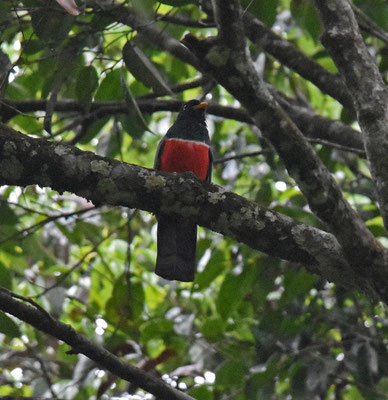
[177,242]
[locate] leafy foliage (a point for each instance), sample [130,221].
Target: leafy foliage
[250,326]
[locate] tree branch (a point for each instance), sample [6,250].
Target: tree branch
[234,70]
[368,25]
[330,132]
[276,46]
[27,161]
[343,40]
[290,56]
[293,58]
[79,344]
[146,28]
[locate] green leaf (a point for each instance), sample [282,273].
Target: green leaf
[109,145]
[7,215]
[231,374]
[133,124]
[50,23]
[133,121]
[213,328]
[352,393]
[93,130]
[144,7]
[212,270]
[157,328]
[383,64]
[376,226]
[100,21]
[32,46]
[110,88]
[119,307]
[233,290]
[8,326]
[296,283]
[202,392]
[154,296]
[87,81]
[5,11]
[377,10]
[306,16]
[266,11]
[5,277]
[142,68]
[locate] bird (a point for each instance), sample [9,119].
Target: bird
[185,147]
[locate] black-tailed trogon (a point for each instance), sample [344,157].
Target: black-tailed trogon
[185,147]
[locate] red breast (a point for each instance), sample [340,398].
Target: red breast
[183,155]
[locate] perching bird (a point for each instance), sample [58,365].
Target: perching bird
[186,147]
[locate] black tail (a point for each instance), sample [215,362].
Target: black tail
[177,242]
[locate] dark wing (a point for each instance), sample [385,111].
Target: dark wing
[158,154]
[209,171]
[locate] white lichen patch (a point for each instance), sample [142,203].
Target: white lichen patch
[9,148]
[145,174]
[70,166]
[270,215]
[333,32]
[331,5]
[250,217]
[240,63]
[101,167]
[297,232]
[61,150]
[154,181]
[310,238]
[216,197]
[258,224]
[235,220]
[322,246]
[248,213]
[218,56]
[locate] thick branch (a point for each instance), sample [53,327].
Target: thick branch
[236,73]
[276,46]
[79,344]
[228,16]
[26,161]
[290,56]
[344,42]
